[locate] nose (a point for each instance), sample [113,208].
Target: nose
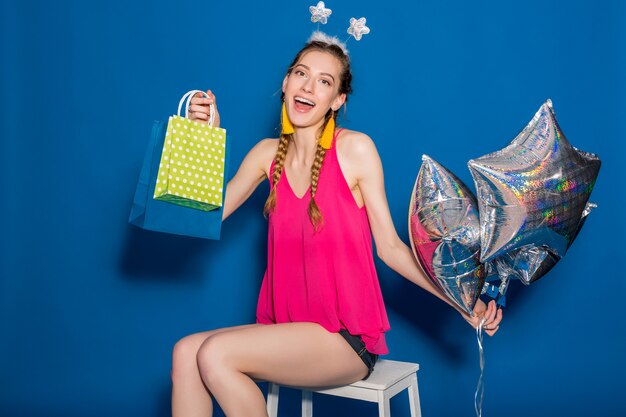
[307,85]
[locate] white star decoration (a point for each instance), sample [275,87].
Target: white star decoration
[357,28]
[320,13]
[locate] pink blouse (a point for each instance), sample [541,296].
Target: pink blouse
[326,277]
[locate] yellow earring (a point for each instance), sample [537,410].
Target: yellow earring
[326,139]
[284,120]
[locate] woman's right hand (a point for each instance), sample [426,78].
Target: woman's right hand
[199,108]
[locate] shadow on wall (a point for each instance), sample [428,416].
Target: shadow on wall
[160,256]
[157,256]
[427,315]
[431,317]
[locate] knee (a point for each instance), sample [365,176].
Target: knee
[184,358]
[212,358]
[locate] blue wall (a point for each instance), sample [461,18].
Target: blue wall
[90,306]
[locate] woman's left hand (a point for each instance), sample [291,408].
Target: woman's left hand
[491,314]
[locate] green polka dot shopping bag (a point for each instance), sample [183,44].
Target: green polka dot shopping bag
[181,187]
[191,172]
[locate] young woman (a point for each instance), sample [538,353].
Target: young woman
[320,315]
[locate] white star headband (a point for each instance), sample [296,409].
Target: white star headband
[319,36]
[357,28]
[320,14]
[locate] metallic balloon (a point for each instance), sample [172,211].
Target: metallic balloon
[533,192]
[528,263]
[531,262]
[444,233]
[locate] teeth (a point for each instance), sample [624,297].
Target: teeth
[304,100]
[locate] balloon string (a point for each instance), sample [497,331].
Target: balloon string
[480,387]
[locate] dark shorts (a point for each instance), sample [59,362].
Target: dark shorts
[356,342]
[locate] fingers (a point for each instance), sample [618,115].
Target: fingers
[489,315]
[216,122]
[492,327]
[204,101]
[199,107]
[198,114]
[498,318]
[492,331]
[211,95]
[491,311]
[479,307]
[200,99]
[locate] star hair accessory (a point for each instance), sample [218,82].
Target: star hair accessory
[319,36]
[320,14]
[357,28]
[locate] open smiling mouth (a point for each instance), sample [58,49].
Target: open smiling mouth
[302,104]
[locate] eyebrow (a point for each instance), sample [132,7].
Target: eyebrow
[309,69]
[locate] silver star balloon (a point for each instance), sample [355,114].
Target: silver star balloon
[320,13]
[527,264]
[534,191]
[445,234]
[531,262]
[357,28]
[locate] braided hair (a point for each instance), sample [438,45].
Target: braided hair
[345,87]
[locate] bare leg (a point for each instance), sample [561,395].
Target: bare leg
[302,354]
[189,395]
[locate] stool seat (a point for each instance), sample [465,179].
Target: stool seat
[388,379]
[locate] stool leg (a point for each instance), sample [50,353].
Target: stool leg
[272,399]
[383,405]
[307,403]
[414,398]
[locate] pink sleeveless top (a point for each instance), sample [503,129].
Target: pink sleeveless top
[326,277]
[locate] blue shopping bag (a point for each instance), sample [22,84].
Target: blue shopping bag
[162,216]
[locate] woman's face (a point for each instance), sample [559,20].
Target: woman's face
[312,87]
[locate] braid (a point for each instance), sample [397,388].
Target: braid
[315,215]
[279,161]
[314,211]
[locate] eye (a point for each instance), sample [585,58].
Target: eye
[326,82]
[300,73]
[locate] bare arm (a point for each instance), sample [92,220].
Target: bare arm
[251,172]
[368,171]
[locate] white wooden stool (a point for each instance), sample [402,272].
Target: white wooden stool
[388,379]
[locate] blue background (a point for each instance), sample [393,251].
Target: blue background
[91,306]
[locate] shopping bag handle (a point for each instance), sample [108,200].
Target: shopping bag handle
[188,95]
